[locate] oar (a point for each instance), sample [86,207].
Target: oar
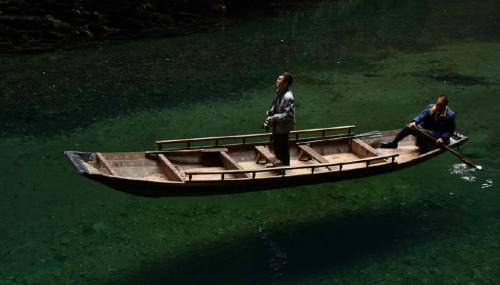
[463,158]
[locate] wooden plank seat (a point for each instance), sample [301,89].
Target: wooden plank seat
[306,150]
[231,164]
[264,152]
[169,169]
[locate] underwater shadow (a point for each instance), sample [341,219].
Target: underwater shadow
[296,251]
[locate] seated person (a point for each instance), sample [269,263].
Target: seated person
[437,120]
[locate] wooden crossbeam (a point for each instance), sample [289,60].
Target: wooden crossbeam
[106,164]
[231,164]
[307,150]
[266,153]
[169,169]
[363,150]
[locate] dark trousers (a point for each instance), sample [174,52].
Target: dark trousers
[281,148]
[407,131]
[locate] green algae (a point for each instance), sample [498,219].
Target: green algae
[422,225]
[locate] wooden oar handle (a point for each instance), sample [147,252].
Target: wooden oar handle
[463,158]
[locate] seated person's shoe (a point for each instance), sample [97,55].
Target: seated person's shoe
[391,144]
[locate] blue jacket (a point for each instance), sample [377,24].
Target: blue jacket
[442,125]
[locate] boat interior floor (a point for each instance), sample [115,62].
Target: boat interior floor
[154,168]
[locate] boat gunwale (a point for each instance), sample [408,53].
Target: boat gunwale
[313,166]
[188,141]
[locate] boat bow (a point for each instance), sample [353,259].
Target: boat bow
[78,160]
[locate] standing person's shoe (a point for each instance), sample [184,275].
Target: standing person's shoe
[391,144]
[279,173]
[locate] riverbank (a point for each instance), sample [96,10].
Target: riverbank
[49,24]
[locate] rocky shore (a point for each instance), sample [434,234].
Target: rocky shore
[44,24]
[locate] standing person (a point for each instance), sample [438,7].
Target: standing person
[281,117]
[437,120]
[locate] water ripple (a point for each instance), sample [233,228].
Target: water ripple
[465,172]
[487,183]
[468,174]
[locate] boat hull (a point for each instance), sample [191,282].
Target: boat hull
[206,188]
[146,188]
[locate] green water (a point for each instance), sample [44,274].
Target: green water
[374,64]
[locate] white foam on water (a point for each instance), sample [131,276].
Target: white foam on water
[465,172]
[487,183]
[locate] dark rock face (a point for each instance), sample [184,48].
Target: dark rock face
[26,25]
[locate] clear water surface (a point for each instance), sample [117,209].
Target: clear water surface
[374,64]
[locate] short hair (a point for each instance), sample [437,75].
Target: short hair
[445,99]
[288,78]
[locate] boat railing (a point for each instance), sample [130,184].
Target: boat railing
[216,141]
[253,172]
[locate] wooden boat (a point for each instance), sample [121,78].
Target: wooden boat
[244,163]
